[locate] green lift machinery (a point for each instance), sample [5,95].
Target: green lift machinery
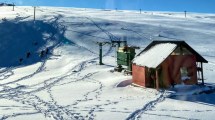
[125,55]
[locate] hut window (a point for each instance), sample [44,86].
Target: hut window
[184,74]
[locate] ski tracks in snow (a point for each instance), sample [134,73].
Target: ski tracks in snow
[137,114]
[49,109]
[89,96]
[40,69]
[17,114]
[4,74]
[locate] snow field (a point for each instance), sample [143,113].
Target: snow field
[69,84]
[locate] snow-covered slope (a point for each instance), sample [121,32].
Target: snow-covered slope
[68,83]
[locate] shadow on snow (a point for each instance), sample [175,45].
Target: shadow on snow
[19,38]
[205,96]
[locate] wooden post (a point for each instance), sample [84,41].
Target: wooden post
[34,12]
[202,74]
[140,11]
[157,80]
[100,54]
[185,13]
[13,6]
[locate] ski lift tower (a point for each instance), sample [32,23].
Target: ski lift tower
[100,51]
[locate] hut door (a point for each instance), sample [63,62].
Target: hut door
[152,77]
[184,74]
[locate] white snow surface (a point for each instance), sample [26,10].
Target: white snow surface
[155,55]
[69,84]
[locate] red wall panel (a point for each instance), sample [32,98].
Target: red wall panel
[138,75]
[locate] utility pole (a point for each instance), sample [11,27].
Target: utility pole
[100,51]
[185,13]
[34,12]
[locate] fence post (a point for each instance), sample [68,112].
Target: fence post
[13,6]
[34,12]
[100,54]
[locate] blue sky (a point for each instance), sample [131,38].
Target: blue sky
[205,6]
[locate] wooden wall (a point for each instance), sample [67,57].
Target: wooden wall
[138,75]
[171,69]
[169,72]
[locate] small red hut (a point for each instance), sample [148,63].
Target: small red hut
[166,63]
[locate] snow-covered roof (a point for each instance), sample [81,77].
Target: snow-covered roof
[155,55]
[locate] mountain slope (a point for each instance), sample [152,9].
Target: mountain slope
[68,83]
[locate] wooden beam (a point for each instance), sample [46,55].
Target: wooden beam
[202,74]
[157,80]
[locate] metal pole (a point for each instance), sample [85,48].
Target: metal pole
[100,54]
[140,11]
[34,13]
[118,43]
[185,14]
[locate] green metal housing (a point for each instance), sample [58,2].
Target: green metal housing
[125,55]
